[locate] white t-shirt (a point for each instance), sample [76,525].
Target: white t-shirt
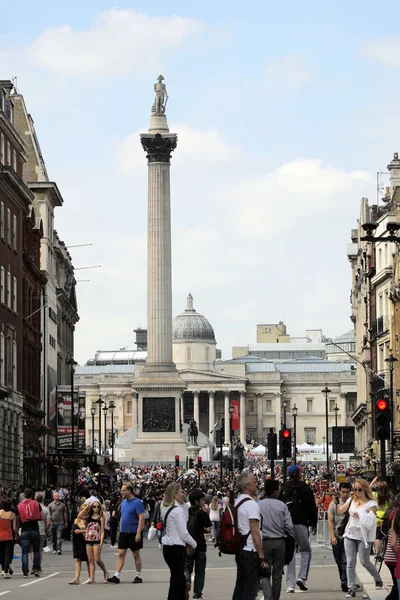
[248,510]
[353,528]
[42,524]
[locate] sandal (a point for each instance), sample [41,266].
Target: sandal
[89,581]
[106,576]
[74,582]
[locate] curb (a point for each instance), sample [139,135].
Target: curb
[368,583]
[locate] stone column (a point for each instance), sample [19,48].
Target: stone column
[134,411]
[259,398]
[196,409]
[211,412]
[242,414]
[227,418]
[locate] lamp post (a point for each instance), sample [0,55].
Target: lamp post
[323,443]
[284,465]
[294,413]
[391,360]
[112,407]
[72,363]
[93,412]
[100,402]
[336,410]
[231,411]
[105,411]
[326,391]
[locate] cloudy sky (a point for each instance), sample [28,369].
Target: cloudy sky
[284,116]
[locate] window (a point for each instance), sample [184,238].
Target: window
[351,403]
[268,406]
[330,435]
[8,163]
[8,289]
[250,404]
[309,434]
[15,232]
[129,407]
[309,405]
[2,359]
[2,219]
[2,285]
[14,161]
[14,364]
[332,404]
[52,341]
[189,353]
[8,226]
[2,148]
[14,295]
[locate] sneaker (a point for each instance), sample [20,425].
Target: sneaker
[300,583]
[137,579]
[10,571]
[59,552]
[7,576]
[290,591]
[159,546]
[379,584]
[25,575]
[344,588]
[113,579]
[350,594]
[54,551]
[112,546]
[198,597]
[36,573]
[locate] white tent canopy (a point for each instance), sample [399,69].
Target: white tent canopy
[259,450]
[305,448]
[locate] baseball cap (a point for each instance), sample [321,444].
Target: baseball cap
[293,470]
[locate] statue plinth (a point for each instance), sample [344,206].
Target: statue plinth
[193,451]
[158,124]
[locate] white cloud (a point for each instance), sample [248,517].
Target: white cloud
[384,49]
[118,42]
[289,71]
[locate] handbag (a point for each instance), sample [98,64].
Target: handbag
[340,530]
[189,551]
[159,526]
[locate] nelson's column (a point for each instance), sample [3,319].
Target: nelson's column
[159,385]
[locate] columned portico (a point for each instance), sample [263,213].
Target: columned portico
[196,408]
[227,418]
[242,416]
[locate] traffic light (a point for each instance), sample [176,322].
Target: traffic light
[382,419]
[177,460]
[271,446]
[199,462]
[285,443]
[191,463]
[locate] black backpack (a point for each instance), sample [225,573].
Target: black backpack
[193,524]
[291,496]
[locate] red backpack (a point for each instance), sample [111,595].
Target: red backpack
[229,539]
[29,510]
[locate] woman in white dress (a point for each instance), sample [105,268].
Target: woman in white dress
[360,533]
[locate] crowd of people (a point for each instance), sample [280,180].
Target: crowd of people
[186,510]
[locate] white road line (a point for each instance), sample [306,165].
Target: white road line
[6,592]
[39,579]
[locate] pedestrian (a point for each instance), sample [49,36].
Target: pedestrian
[58,520]
[94,538]
[383,496]
[276,525]
[8,529]
[44,524]
[251,558]
[79,545]
[300,501]
[215,517]
[92,498]
[29,513]
[198,525]
[336,531]
[360,533]
[114,518]
[130,532]
[174,540]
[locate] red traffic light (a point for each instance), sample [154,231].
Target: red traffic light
[286,433]
[381,404]
[176,456]
[199,459]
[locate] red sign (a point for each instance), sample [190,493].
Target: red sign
[235,416]
[341,467]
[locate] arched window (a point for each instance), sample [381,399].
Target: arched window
[189,353]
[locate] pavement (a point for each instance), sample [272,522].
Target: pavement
[220,578]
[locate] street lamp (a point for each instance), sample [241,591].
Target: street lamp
[284,405]
[105,411]
[391,360]
[294,414]
[100,402]
[326,391]
[336,410]
[93,412]
[323,443]
[72,363]
[231,411]
[112,407]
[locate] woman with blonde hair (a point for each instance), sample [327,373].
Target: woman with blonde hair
[175,538]
[215,517]
[94,538]
[360,533]
[79,544]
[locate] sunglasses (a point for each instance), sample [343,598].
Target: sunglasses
[358,489]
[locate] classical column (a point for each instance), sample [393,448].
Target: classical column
[242,413]
[227,418]
[196,409]
[134,411]
[260,436]
[211,412]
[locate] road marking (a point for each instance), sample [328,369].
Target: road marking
[39,579]
[6,592]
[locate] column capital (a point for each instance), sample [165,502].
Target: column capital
[196,392]
[158,147]
[211,392]
[242,392]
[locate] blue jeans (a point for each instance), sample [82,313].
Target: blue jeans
[198,560]
[56,536]
[340,559]
[28,539]
[352,547]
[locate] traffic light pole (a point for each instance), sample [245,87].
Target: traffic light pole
[281,450]
[383,460]
[272,458]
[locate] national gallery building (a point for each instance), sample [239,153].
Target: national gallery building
[268,380]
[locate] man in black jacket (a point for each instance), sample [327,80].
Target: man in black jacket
[300,501]
[198,525]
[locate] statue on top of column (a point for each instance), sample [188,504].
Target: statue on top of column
[193,432]
[161,98]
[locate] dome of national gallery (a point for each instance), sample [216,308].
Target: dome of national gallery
[191,326]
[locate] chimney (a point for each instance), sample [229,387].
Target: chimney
[394,171]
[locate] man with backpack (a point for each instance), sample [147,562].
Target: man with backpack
[198,525]
[300,501]
[29,513]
